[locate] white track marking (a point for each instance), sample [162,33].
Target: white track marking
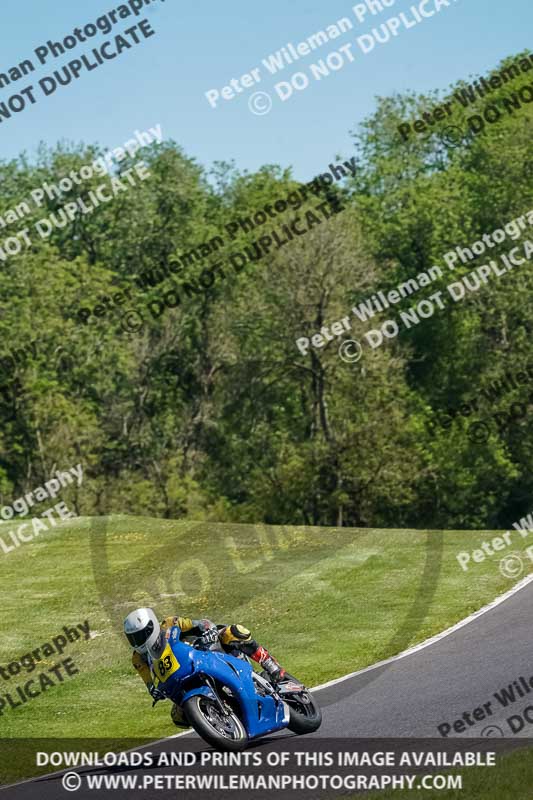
[427,643]
[85,766]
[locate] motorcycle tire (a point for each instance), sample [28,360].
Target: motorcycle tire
[222,732]
[305,717]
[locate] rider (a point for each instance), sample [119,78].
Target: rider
[147,636]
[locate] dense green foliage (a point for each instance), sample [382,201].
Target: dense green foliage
[210,410]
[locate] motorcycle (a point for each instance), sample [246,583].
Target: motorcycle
[225,700]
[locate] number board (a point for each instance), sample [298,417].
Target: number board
[166,665]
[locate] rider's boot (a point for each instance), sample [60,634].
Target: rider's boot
[274,670]
[178,717]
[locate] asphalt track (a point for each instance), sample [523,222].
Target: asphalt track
[409,696]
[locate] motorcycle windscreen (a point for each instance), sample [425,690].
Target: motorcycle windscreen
[172,661]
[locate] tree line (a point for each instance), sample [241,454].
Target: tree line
[208,410]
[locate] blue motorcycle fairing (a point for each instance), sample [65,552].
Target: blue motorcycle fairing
[205,690]
[260,715]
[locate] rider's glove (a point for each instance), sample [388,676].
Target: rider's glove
[208,638]
[156,693]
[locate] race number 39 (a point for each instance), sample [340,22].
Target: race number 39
[166,665]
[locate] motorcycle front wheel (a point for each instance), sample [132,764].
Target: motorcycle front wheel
[305,713]
[222,731]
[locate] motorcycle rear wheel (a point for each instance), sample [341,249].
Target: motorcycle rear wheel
[222,731]
[305,713]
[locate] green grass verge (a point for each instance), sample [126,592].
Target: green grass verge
[325,601]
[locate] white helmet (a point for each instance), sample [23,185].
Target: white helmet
[142,629]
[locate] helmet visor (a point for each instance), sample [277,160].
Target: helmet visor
[140,637]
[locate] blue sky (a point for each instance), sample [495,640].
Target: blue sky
[202,46]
